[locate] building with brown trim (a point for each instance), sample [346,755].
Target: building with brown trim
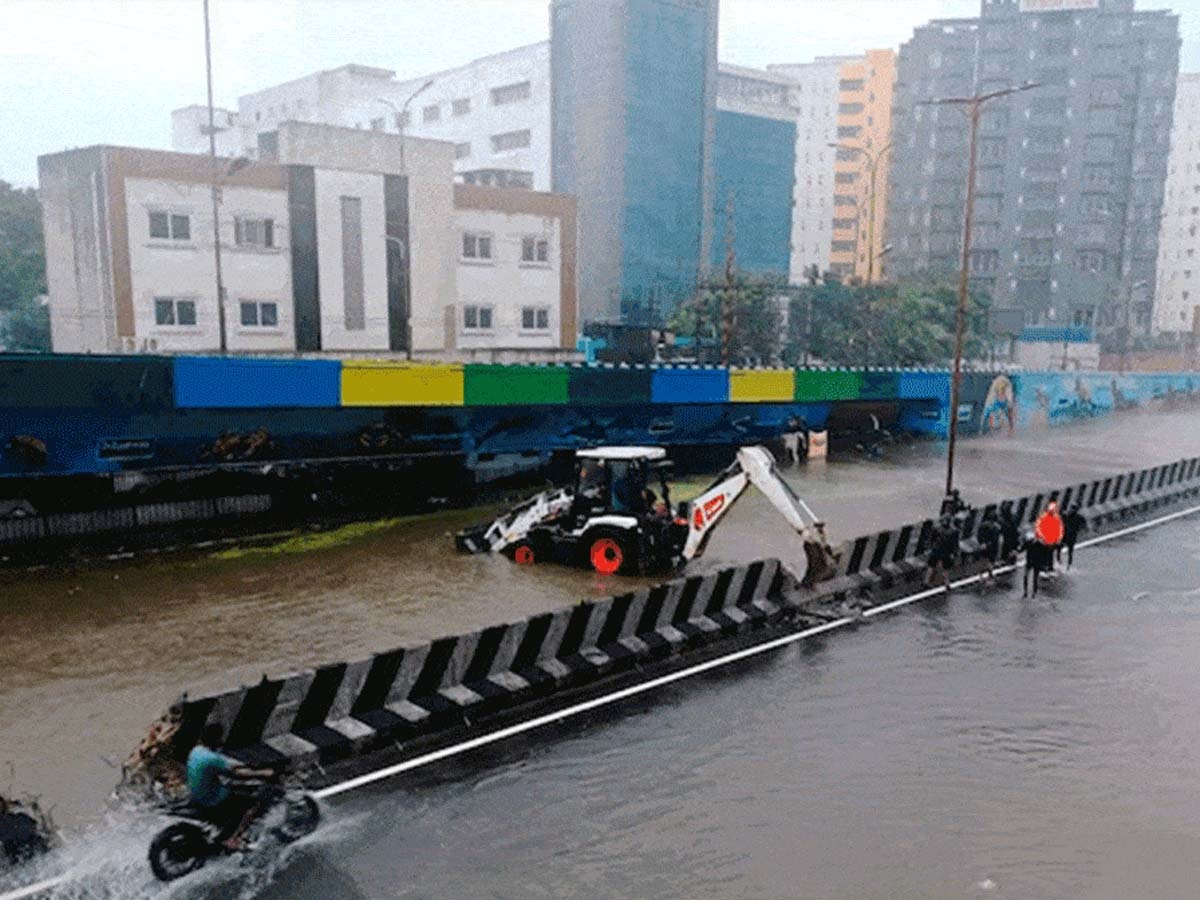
[332,240]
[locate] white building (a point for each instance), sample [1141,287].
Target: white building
[816,98]
[1177,293]
[334,240]
[494,110]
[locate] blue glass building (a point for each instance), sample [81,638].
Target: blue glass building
[633,84]
[754,162]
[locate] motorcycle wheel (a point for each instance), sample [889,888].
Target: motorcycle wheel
[178,850]
[301,817]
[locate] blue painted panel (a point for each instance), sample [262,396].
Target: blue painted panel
[754,161]
[214,383]
[924,385]
[690,386]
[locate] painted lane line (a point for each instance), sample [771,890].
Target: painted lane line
[343,787]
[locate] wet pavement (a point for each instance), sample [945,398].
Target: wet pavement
[90,657]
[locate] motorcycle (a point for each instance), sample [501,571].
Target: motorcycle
[289,814]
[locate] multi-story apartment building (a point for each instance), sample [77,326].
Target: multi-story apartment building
[633,125]
[864,134]
[1177,290]
[843,139]
[334,239]
[754,163]
[1071,174]
[815,91]
[495,110]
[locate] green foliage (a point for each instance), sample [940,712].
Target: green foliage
[24,324]
[756,326]
[906,324]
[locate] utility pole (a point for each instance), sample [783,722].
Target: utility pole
[727,292]
[215,188]
[973,107]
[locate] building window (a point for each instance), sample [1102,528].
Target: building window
[403,120]
[476,245]
[462,151]
[850,109]
[259,314]
[254,232]
[432,113]
[850,84]
[510,140]
[535,318]
[353,296]
[510,93]
[170,226]
[477,318]
[535,250]
[378,124]
[172,311]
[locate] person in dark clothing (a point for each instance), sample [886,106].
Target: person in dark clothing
[943,552]
[988,536]
[1038,559]
[952,504]
[1010,534]
[1074,523]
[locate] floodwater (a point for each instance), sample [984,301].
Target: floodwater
[974,746]
[89,658]
[980,746]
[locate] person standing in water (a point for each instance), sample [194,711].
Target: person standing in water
[1073,524]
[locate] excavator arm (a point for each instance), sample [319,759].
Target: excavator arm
[756,465]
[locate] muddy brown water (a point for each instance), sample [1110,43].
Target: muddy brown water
[89,658]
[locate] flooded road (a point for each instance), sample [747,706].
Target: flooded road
[89,658]
[981,746]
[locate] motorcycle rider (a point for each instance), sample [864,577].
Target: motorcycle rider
[208,771]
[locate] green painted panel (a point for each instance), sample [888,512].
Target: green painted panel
[817,385]
[515,385]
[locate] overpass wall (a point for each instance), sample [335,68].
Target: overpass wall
[86,415]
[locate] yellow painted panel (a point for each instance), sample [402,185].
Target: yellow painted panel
[761,385]
[380,383]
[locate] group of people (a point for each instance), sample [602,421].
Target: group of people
[1000,540]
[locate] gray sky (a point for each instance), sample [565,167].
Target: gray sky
[80,72]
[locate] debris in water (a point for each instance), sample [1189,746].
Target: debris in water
[987,885]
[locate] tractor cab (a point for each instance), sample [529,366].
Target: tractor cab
[623,481]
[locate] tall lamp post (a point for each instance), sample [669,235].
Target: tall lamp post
[973,107]
[402,116]
[873,161]
[214,188]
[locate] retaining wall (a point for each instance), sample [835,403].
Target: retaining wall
[347,709]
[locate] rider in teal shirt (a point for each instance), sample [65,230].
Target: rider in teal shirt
[204,769]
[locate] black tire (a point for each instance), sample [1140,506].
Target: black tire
[178,850]
[302,815]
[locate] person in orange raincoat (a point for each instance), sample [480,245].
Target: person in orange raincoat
[1049,528]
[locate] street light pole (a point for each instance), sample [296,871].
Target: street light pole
[402,117]
[214,188]
[973,106]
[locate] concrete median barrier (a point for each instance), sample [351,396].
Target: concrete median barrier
[416,695]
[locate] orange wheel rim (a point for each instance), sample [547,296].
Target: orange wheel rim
[606,556]
[524,555]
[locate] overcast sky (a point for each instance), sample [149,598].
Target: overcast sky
[80,72]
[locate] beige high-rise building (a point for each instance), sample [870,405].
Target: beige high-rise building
[864,136]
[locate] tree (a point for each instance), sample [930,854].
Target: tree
[24,322]
[756,326]
[905,324]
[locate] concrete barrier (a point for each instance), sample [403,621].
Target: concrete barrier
[347,709]
[144,517]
